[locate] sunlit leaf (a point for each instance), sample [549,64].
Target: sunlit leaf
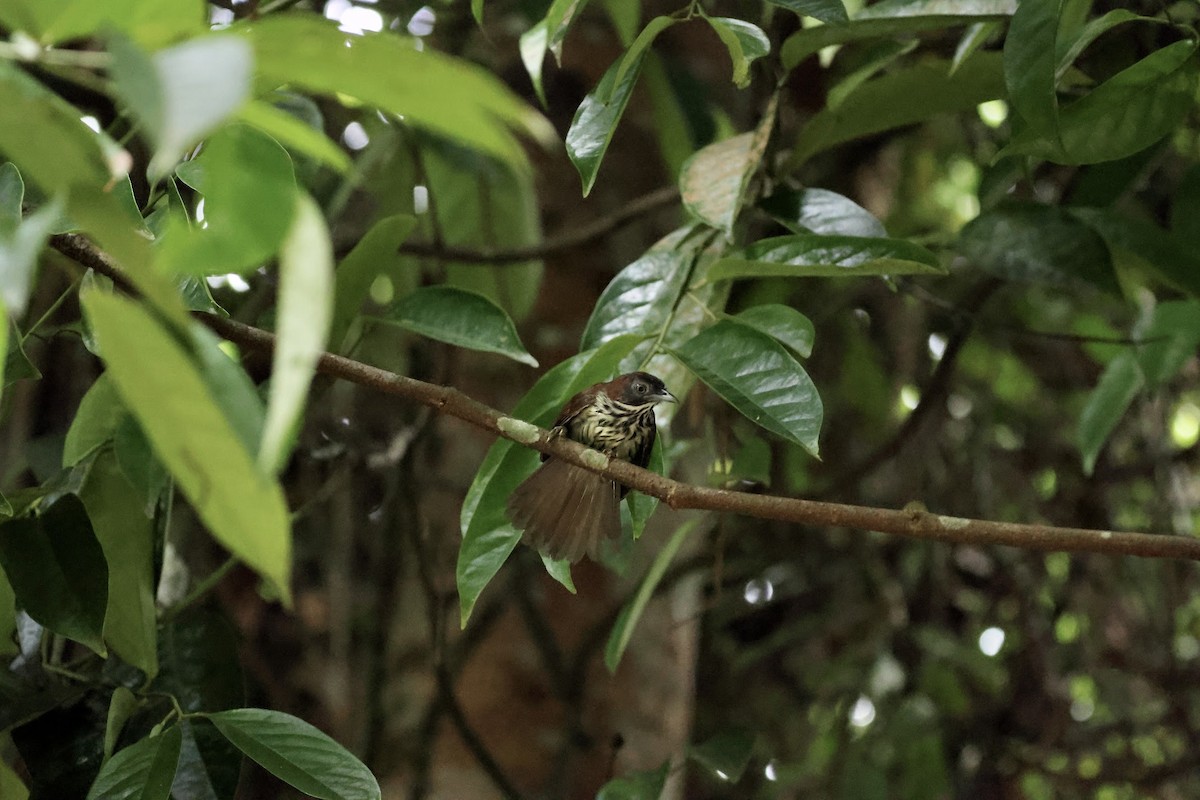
[782,323]
[297,753]
[822,211]
[758,377]
[149,21]
[294,134]
[830,12]
[303,313]
[243,508]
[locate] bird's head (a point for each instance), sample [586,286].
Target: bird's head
[639,388]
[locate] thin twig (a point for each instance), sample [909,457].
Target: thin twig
[910,522]
[576,237]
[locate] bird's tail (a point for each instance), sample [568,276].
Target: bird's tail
[566,512]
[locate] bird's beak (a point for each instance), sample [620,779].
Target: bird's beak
[665,397]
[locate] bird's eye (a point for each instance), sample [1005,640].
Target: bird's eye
[640,388]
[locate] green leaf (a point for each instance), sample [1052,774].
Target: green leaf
[243,508]
[12,194]
[374,254]
[461,318]
[558,21]
[4,325]
[139,465]
[58,571]
[1146,243]
[1093,30]
[1127,113]
[974,37]
[126,536]
[862,64]
[758,377]
[20,247]
[120,707]
[389,72]
[597,117]
[297,753]
[745,42]
[813,255]
[892,19]
[142,771]
[727,753]
[182,93]
[488,537]
[631,613]
[231,387]
[1030,63]
[303,313]
[713,181]
[17,365]
[640,298]
[831,12]
[783,323]
[560,570]
[642,506]
[294,134]
[900,98]
[1120,383]
[1171,341]
[646,785]
[100,411]
[1045,244]
[44,136]
[822,211]
[250,198]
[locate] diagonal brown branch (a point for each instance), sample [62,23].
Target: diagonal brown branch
[913,523]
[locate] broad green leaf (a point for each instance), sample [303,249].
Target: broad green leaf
[182,93]
[646,785]
[303,313]
[44,136]
[813,255]
[1037,243]
[243,508]
[19,250]
[1030,63]
[640,298]
[782,323]
[250,199]
[142,771]
[1120,383]
[293,134]
[126,536]
[370,257]
[625,17]
[627,620]
[890,19]
[8,601]
[726,753]
[831,12]
[759,378]
[900,98]
[1069,50]
[560,570]
[150,21]
[209,765]
[461,318]
[120,707]
[100,411]
[533,45]
[822,211]
[713,181]
[864,63]
[597,117]
[1171,337]
[488,536]
[974,37]
[139,465]
[745,42]
[1127,113]
[297,753]
[642,506]
[57,570]
[389,72]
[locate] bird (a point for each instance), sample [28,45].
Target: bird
[567,512]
